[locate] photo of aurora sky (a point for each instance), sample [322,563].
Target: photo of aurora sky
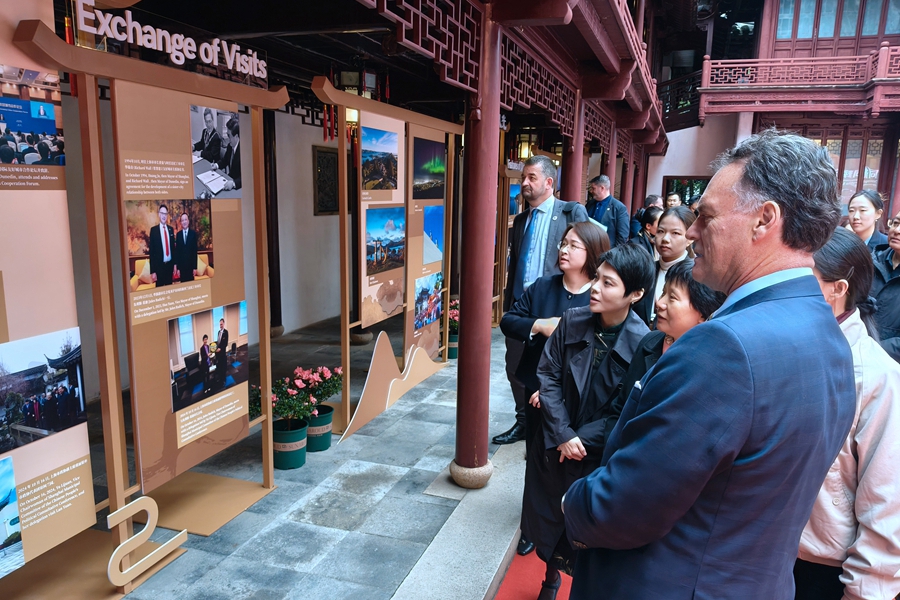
[429,166]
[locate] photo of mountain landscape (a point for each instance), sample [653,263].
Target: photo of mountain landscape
[429,166]
[379,159]
[385,239]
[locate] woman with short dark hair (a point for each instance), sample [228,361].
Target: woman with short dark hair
[851,546]
[534,317]
[579,372]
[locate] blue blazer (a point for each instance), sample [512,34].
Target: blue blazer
[711,472]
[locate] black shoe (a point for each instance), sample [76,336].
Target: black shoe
[516,434]
[525,546]
[548,590]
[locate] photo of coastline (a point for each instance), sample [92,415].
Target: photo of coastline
[379,151]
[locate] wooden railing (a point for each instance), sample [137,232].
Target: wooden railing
[680,99]
[839,70]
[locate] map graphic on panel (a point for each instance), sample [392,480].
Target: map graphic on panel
[433,245]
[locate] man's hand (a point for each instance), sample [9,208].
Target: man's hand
[573,450]
[535,399]
[229,185]
[153,277]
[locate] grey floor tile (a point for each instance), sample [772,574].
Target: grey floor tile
[171,580]
[238,578]
[413,486]
[231,535]
[433,413]
[318,467]
[279,500]
[403,520]
[322,587]
[291,545]
[436,458]
[333,508]
[365,478]
[373,560]
[407,430]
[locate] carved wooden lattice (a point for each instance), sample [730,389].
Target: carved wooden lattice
[528,83]
[447,32]
[893,69]
[848,70]
[624,145]
[596,126]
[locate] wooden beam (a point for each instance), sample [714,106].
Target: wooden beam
[645,136]
[606,86]
[41,44]
[328,94]
[589,24]
[633,120]
[533,13]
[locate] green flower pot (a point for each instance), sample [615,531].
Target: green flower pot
[453,346]
[289,444]
[319,432]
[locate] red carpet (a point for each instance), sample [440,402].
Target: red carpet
[523,580]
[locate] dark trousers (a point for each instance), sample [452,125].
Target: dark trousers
[813,581]
[514,351]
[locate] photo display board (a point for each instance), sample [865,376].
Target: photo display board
[179,180]
[426,218]
[46,487]
[382,179]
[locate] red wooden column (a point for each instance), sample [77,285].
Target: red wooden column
[573,156]
[609,163]
[471,467]
[628,184]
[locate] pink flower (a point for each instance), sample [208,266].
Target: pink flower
[292,392]
[300,385]
[327,373]
[315,377]
[274,398]
[312,399]
[315,413]
[339,370]
[287,380]
[298,371]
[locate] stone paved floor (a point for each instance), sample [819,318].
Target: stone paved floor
[354,520]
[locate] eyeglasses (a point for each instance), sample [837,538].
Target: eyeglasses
[893,224]
[564,244]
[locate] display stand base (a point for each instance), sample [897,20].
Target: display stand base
[203,503]
[338,425]
[76,569]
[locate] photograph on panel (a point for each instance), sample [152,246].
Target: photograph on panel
[207,353]
[385,239]
[429,166]
[41,385]
[433,243]
[31,130]
[169,242]
[428,299]
[12,555]
[379,159]
[215,151]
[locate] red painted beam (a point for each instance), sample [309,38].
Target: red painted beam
[532,13]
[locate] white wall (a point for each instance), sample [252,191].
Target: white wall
[691,151]
[249,228]
[309,245]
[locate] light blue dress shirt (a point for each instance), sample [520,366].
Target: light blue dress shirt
[534,265]
[751,287]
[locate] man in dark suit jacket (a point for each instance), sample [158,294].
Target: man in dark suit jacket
[186,250]
[542,226]
[712,470]
[231,163]
[162,249]
[209,144]
[221,351]
[608,211]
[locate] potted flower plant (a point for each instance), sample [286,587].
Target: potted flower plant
[293,405]
[321,384]
[453,324]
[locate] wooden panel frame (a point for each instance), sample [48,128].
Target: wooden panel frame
[321,208]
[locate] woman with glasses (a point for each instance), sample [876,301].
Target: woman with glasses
[580,373]
[865,210]
[886,290]
[851,546]
[535,315]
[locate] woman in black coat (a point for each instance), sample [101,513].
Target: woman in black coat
[580,373]
[644,238]
[864,210]
[535,315]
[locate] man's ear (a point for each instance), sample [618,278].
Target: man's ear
[769,218]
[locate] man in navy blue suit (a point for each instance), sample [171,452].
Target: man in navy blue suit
[711,472]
